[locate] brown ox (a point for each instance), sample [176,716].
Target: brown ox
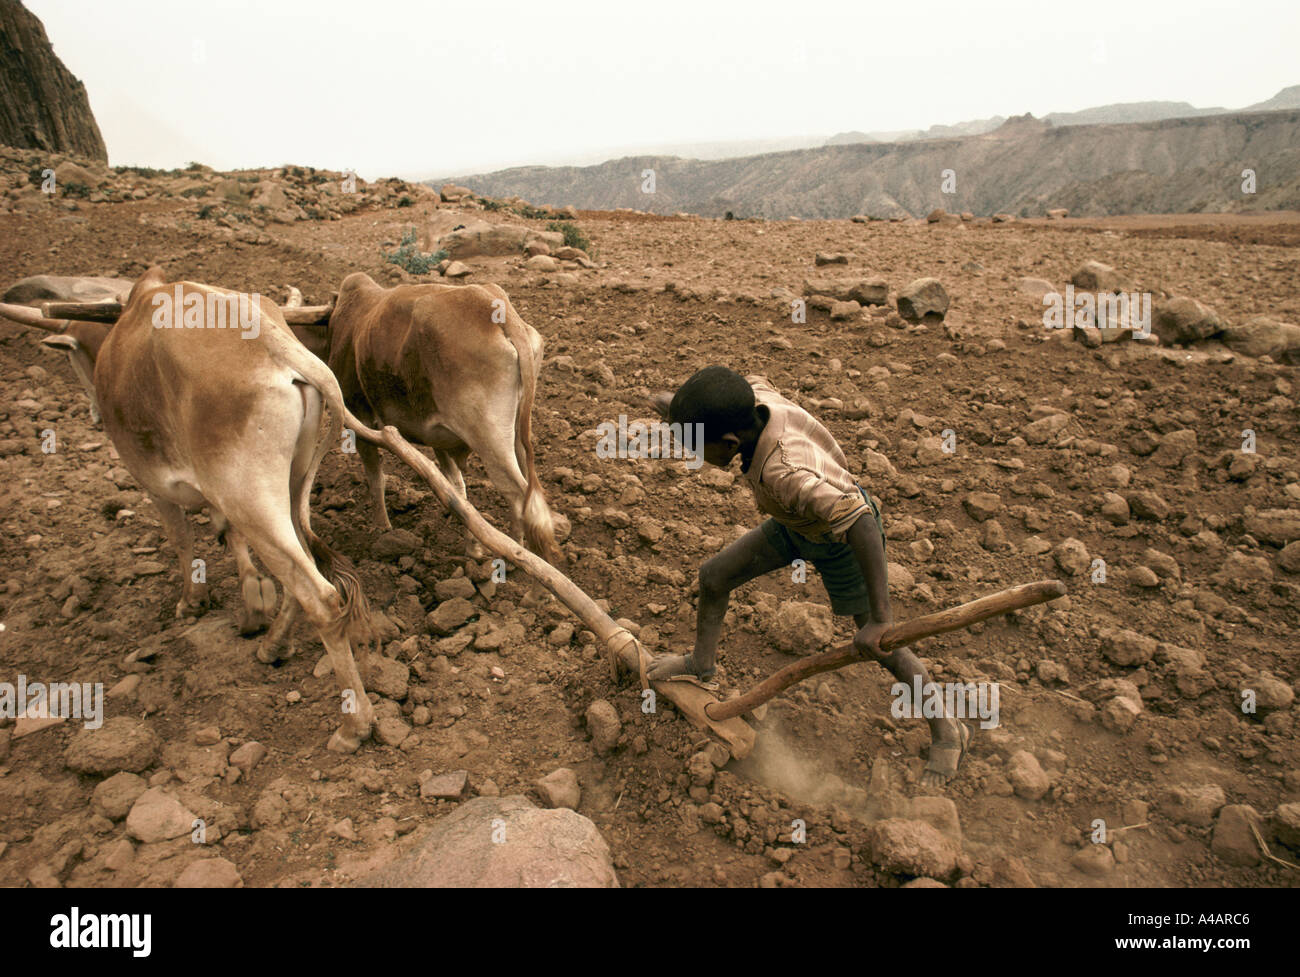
[452,367]
[232,418]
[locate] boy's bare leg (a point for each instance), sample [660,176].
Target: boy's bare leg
[947,736]
[748,557]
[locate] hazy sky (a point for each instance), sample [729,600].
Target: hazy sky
[412,88]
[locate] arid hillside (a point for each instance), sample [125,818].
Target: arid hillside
[1025,167]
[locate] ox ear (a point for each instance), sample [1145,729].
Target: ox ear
[62,341]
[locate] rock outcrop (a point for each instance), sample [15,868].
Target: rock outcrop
[42,105]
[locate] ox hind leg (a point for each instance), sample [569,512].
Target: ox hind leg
[373,464]
[194,593]
[496,448]
[256,591]
[452,462]
[281,550]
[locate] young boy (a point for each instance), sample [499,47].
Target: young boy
[817,512]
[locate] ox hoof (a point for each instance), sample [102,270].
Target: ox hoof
[347,738]
[259,603]
[193,603]
[269,653]
[342,742]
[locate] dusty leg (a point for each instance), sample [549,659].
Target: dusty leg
[194,594]
[374,466]
[451,462]
[748,557]
[258,592]
[948,737]
[284,557]
[278,643]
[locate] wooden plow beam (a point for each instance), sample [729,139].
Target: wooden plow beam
[29,316]
[302,315]
[699,705]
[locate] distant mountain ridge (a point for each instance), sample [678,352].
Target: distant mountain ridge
[1120,112]
[1024,166]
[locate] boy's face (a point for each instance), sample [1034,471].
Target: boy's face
[720,453]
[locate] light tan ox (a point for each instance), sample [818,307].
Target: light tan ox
[233,420]
[453,367]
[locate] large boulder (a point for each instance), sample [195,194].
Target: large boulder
[1184,320]
[1263,336]
[501,842]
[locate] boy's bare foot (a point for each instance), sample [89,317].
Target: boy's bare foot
[666,667]
[946,755]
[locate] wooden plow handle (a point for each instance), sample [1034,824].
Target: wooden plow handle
[904,633]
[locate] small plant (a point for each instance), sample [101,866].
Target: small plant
[573,236]
[405,202]
[76,190]
[205,212]
[490,204]
[193,166]
[409,258]
[145,171]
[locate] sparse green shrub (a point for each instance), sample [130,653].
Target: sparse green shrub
[573,236]
[205,212]
[405,202]
[76,190]
[408,256]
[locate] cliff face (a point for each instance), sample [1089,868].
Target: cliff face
[42,106]
[1024,167]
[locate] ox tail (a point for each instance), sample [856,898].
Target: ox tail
[539,524]
[333,565]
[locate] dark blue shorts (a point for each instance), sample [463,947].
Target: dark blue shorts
[835,562]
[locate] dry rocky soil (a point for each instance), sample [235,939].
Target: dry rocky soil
[1120,703]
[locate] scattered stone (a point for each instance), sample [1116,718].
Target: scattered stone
[394,544]
[1233,840]
[560,788]
[114,797]
[1093,276]
[1120,714]
[210,873]
[248,756]
[604,725]
[1184,320]
[907,847]
[982,505]
[444,786]
[1094,860]
[122,743]
[450,615]
[801,627]
[1071,556]
[1027,776]
[924,300]
[1127,648]
[1196,806]
[157,816]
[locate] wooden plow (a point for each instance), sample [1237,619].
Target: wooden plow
[722,718]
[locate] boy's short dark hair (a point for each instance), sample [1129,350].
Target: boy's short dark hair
[720,399]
